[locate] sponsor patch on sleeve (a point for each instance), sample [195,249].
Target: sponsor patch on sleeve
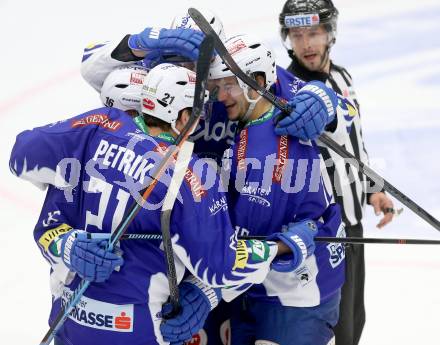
[48,239]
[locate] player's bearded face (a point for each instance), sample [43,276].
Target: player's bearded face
[229,92]
[310,46]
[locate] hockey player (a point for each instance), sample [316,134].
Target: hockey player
[94,166]
[276,181]
[308,29]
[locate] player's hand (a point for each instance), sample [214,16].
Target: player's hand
[314,106]
[88,256]
[299,237]
[382,204]
[196,301]
[157,42]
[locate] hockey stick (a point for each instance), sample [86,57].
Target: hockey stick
[206,50]
[172,307]
[324,138]
[349,240]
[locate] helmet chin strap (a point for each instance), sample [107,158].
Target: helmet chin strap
[173,127]
[252,104]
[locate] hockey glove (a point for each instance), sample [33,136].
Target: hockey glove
[196,301]
[299,237]
[157,42]
[87,255]
[314,106]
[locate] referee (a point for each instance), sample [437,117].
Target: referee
[308,30]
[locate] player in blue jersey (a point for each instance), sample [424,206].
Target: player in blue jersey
[93,166]
[276,180]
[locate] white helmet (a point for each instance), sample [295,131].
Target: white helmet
[185,21]
[167,90]
[122,87]
[252,56]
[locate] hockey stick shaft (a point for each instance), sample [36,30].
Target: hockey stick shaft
[350,240]
[324,138]
[137,205]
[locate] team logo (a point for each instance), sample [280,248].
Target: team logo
[148,104]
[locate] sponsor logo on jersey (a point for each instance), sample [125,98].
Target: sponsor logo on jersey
[304,275]
[301,20]
[337,250]
[256,195]
[236,46]
[101,120]
[51,218]
[282,154]
[260,250]
[148,104]
[194,183]
[241,150]
[218,205]
[241,255]
[100,315]
[137,78]
[47,240]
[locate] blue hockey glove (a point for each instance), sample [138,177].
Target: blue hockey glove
[87,255]
[314,106]
[196,301]
[156,41]
[299,237]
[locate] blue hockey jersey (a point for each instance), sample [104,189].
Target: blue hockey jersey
[276,180]
[94,166]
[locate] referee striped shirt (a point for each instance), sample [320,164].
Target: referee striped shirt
[349,185]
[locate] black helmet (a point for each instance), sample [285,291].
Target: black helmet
[293,9]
